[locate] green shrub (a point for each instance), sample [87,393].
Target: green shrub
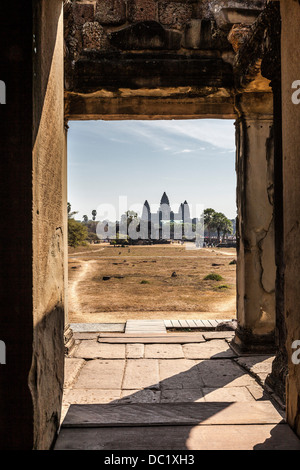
[222,287]
[145,282]
[213,277]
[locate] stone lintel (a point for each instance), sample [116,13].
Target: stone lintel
[96,70]
[165,103]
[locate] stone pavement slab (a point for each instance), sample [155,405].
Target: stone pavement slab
[101,374]
[93,350]
[164,351]
[72,369]
[180,373]
[216,349]
[258,392]
[140,396]
[79,396]
[260,366]
[135,351]
[141,373]
[223,373]
[227,394]
[182,395]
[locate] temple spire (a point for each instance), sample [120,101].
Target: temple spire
[165,200]
[146,214]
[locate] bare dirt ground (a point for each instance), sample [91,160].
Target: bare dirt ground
[139,283]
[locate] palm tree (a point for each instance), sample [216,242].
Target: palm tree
[219,221]
[85,219]
[94,214]
[209,221]
[70,214]
[227,228]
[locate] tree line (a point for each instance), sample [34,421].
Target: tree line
[81,233]
[217,222]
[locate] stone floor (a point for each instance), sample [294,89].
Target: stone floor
[180,392]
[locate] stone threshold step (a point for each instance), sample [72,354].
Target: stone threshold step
[211,437]
[171,414]
[151,338]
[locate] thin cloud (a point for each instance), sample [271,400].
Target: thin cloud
[166,136]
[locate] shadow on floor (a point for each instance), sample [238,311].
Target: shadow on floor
[132,423]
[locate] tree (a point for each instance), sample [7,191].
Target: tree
[126,219]
[94,214]
[77,233]
[227,228]
[209,221]
[85,219]
[70,214]
[219,222]
[222,225]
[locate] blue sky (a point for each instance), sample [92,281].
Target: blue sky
[191,160]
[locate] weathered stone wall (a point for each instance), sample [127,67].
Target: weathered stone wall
[49,223]
[32,250]
[290,12]
[153,24]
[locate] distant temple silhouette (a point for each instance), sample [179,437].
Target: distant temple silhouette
[161,224]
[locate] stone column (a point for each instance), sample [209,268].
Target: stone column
[256,270]
[271,69]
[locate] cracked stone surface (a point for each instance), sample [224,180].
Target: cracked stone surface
[225,384]
[153,373]
[259,366]
[203,372]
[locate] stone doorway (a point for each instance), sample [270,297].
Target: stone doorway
[107,280]
[37,345]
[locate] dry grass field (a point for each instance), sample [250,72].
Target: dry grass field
[111,284]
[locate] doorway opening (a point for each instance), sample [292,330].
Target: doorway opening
[120,171]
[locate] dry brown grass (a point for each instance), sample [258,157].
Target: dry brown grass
[141,283]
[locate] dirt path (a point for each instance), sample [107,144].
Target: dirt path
[227,253]
[73,295]
[84,252]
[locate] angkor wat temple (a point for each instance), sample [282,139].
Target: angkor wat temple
[165,212]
